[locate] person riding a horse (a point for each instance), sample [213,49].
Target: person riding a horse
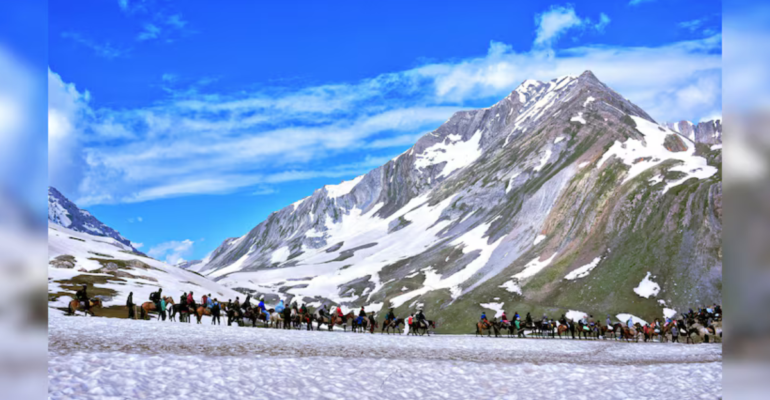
[82,296]
[191,300]
[361,316]
[183,300]
[261,305]
[421,317]
[339,312]
[484,317]
[504,318]
[155,298]
[303,309]
[209,302]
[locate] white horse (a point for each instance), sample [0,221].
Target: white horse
[275,320]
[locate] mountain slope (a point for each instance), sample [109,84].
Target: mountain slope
[110,267]
[496,208]
[63,212]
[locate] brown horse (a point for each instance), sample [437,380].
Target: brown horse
[337,320]
[627,333]
[76,306]
[200,311]
[149,306]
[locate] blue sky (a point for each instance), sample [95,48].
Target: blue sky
[183,123]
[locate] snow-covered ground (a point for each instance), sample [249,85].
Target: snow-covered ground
[112,358]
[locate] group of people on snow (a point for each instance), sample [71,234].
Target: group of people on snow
[705,316]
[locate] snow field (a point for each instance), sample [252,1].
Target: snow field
[113,358]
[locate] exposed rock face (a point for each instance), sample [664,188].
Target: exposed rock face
[500,205]
[674,143]
[708,132]
[61,211]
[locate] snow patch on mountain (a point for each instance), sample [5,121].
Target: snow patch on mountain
[544,160]
[496,307]
[578,118]
[343,188]
[280,255]
[643,155]
[533,267]
[575,315]
[647,287]
[624,317]
[453,151]
[512,286]
[584,270]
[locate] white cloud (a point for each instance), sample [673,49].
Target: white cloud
[553,23]
[196,143]
[123,4]
[692,25]
[149,32]
[101,49]
[176,21]
[638,2]
[172,252]
[66,112]
[604,20]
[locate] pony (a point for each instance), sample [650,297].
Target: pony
[394,324]
[566,327]
[75,305]
[148,306]
[421,328]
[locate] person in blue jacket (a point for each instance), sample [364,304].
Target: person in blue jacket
[262,303]
[484,316]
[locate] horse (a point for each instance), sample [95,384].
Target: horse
[200,311]
[583,330]
[75,305]
[507,325]
[394,324]
[483,327]
[275,320]
[564,328]
[234,314]
[337,320]
[305,318]
[422,328]
[628,333]
[182,310]
[149,306]
[542,328]
[355,326]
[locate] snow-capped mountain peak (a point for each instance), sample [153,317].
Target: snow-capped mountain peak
[61,211]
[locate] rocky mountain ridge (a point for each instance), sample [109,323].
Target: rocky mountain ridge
[562,196]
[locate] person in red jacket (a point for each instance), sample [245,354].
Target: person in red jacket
[190,300]
[203,300]
[339,312]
